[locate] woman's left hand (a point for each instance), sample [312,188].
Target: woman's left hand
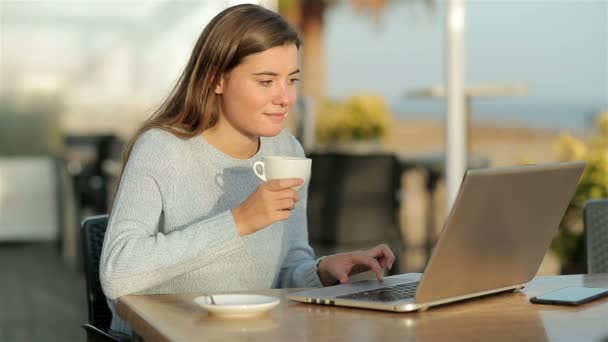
[339,267]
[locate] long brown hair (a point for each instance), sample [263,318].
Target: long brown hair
[233,34]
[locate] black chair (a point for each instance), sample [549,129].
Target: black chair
[595,217]
[353,202]
[100,316]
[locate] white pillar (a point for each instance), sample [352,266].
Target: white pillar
[456,122]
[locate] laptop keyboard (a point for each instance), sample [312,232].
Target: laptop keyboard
[385,294]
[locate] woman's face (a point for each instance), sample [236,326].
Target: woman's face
[257,95]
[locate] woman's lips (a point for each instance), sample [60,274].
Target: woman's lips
[277,117]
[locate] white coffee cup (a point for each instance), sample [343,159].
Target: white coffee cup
[278,167]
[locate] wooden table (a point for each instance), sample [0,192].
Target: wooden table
[505,317]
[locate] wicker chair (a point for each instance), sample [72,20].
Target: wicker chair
[595,216]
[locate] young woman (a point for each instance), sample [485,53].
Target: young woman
[190,215]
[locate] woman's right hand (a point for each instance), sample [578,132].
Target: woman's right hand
[272,201]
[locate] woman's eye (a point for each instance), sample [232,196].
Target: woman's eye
[293,80]
[266,83]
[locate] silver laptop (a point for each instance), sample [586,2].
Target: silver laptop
[494,240]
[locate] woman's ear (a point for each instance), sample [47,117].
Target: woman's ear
[219,88]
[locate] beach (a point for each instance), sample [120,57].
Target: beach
[502,145]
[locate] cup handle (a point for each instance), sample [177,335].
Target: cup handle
[262,175]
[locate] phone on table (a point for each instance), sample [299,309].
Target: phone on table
[573,295]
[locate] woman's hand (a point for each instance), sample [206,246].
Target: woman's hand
[272,201]
[339,267]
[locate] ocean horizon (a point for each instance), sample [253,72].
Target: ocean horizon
[577,118]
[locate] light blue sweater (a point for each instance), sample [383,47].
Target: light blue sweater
[171,229]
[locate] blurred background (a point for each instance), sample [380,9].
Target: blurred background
[77,78]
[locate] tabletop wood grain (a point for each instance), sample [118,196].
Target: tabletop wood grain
[503,317]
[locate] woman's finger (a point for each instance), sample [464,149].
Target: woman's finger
[384,255]
[285,204]
[287,193]
[341,275]
[389,256]
[280,184]
[384,262]
[372,263]
[380,254]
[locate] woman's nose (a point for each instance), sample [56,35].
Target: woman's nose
[282,97]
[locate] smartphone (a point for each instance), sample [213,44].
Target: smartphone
[574,295]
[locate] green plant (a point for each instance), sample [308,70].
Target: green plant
[360,117]
[568,245]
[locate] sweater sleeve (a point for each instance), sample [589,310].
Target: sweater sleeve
[299,267]
[135,255]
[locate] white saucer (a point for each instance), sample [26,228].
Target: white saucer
[237,305]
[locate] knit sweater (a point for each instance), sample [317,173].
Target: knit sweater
[171,229]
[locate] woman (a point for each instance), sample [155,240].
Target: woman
[189,214]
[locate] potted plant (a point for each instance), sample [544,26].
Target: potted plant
[360,122]
[569,244]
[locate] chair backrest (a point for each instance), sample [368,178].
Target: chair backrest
[352,199]
[595,217]
[94,230]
